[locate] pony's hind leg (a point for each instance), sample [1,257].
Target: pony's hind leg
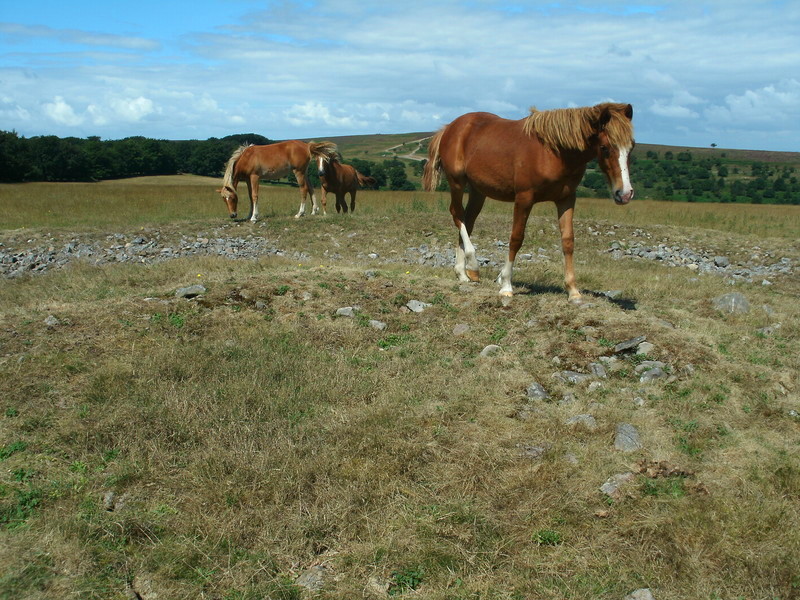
[305,189]
[474,207]
[353,201]
[466,262]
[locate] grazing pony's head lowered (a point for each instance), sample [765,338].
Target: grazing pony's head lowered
[228,189]
[606,130]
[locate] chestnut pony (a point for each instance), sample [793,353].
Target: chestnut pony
[539,158]
[340,179]
[272,161]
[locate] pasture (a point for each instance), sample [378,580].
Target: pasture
[242,443]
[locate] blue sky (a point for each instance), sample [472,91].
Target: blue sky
[697,72]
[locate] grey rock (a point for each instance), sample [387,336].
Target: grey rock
[722,261]
[629,344]
[461,329]
[379,325]
[594,386]
[537,391]
[627,438]
[641,594]
[613,485]
[51,322]
[576,378]
[490,350]
[584,421]
[732,303]
[653,374]
[346,311]
[417,306]
[598,370]
[191,291]
[646,365]
[532,452]
[645,348]
[313,578]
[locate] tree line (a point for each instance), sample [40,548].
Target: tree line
[679,176]
[50,158]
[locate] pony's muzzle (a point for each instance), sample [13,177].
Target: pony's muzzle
[621,197]
[233,215]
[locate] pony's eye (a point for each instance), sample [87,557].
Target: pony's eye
[605,151]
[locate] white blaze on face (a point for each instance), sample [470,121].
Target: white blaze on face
[624,173]
[321,163]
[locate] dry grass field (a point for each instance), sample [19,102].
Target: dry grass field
[251,443]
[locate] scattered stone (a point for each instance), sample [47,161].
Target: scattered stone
[574,377]
[732,303]
[191,291]
[346,311]
[594,386]
[722,261]
[313,578]
[461,329]
[537,391]
[638,401]
[645,348]
[612,294]
[417,306]
[653,374]
[629,344]
[490,350]
[370,274]
[641,594]
[379,325]
[646,365]
[585,421]
[109,499]
[51,322]
[567,399]
[612,486]
[769,330]
[627,438]
[598,370]
[532,452]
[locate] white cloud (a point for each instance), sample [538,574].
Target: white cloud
[349,67]
[133,109]
[62,113]
[773,103]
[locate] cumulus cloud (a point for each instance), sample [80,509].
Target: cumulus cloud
[62,113]
[348,67]
[133,109]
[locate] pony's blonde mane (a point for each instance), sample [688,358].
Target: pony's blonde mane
[227,180]
[572,128]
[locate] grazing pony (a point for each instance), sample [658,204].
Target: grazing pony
[340,179]
[539,158]
[272,162]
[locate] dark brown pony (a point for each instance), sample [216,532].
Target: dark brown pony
[273,161]
[340,179]
[539,158]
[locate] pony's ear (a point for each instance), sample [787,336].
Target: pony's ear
[603,118]
[629,112]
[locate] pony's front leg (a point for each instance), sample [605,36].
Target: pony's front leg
[566,209]
[522,209]
[324,200]
[252,188]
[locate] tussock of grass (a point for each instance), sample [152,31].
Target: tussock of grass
[252,433]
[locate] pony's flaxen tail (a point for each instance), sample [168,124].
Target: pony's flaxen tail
[326,149]
[227,180]
[433,168]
